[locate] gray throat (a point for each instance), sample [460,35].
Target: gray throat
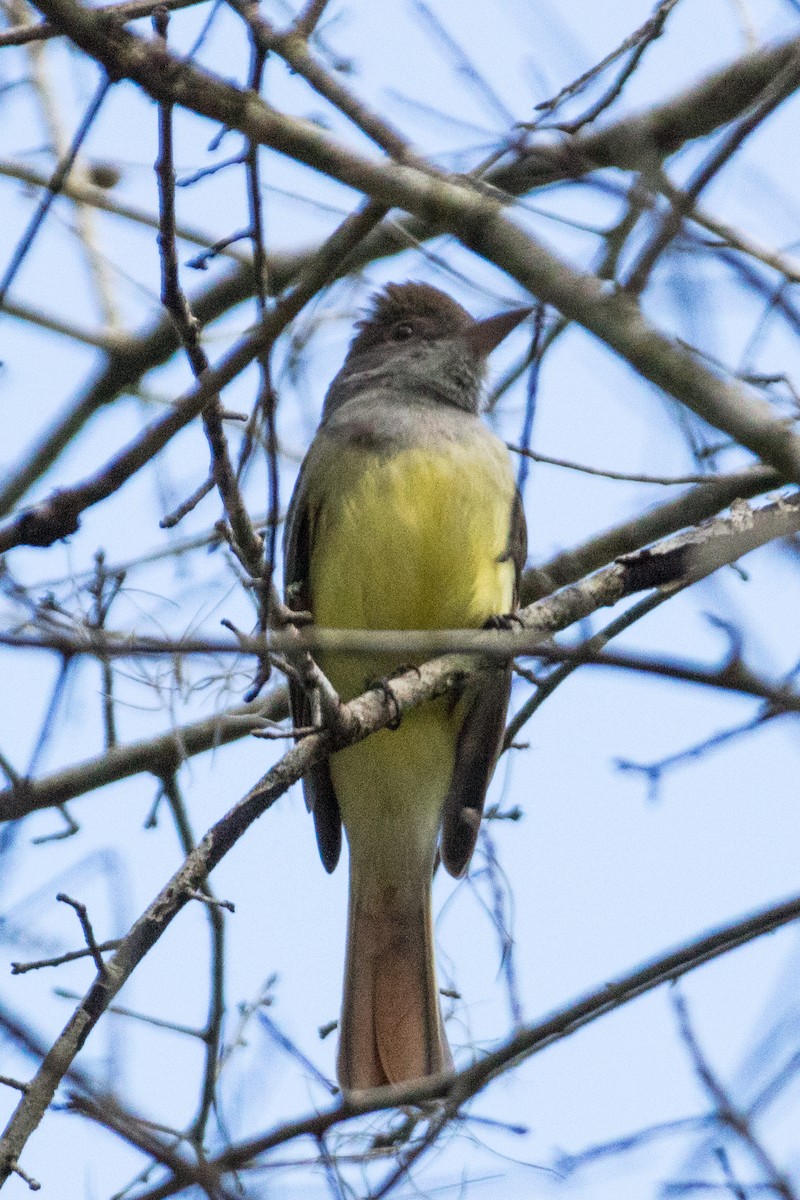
[437,373]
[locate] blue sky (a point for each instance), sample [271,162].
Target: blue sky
[601,876]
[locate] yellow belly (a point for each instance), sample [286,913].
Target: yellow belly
[414,541]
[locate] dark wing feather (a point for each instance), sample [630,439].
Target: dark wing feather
[317,786]
[480,737]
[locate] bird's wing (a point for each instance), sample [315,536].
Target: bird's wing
[480,737]
[317,787]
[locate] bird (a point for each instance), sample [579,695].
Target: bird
[405,515]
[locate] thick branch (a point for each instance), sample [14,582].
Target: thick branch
[370,712]
[691,508]
[59,515]
[690,114]
[457,1088]
[459,207]
[642,142]
[159,756]
[690,556]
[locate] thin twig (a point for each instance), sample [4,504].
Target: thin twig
[119,1010]
[598,641]
[88,932]
[21,968]
[727,1113]
[636,42]
[20,35]
[212,1033]
[778,90]
[664,480]
[248,544]
[456,1088]
[88,193]
[54,187]
[266,407]
[186,506]
[104,589]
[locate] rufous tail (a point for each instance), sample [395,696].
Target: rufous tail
[391,1028]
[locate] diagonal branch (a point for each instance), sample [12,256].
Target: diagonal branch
[455,1089]
[727,1113]
[156,756]
[59,515]
[246,543]
[628,144]
[163,754]
[642,142]
[54,186]
[461,208]
[365,715]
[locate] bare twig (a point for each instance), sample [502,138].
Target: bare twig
[247,543]
[636,42]
[546,687]
[21,35]
[58,516]
[21,968]
[569,1163]
[642,142]
[775,92]
[266,407]
[104,589]
[456,1088]
[54,187]
[727,1113]
[109,341]
[188,505]
[294,50]
[107,1112]
[216,1003]
[88,932]
[88,193]
[119,1010]
[663,480]
[654,772]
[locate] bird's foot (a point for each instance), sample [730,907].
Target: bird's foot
[383,685]
[504,621]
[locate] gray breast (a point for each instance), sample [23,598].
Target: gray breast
[380,421]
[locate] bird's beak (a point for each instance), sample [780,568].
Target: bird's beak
[483,336]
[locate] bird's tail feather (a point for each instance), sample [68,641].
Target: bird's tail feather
[391,1028]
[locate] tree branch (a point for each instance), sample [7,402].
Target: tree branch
[157,756]
[455,1089]
[689,556]
[461,208]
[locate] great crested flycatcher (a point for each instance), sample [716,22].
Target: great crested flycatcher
[405,516]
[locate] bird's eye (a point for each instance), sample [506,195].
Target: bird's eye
[402,332]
